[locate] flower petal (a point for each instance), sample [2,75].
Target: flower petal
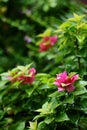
[63,75]
[53,40]
[60,89]
[32,70]
[70,88]
[74,78]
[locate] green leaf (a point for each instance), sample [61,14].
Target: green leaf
[48,120]
[1,114]
[41,126]
[29,91]
[50,81]
[61,117]
[2,84]
[46,109]
[33,125]
[24,68]
[65,24]
[83,123]
[79,91]
[76,18]
[37,117]
[74,118]
[44,87]
[69,99]
[55,103]
[57,94]
[82,83]
[46,33]
[4,74]
[21,67]
[41,75]
[17,126]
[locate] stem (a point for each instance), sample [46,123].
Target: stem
[78,58]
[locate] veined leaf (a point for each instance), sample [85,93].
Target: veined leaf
[57,94]
[79,90]
[69,99]
[46,33]
[33,125]
[61,117]
[48,120]
[76,18]
[17,126]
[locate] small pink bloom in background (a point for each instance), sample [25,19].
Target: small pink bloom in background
[25,79]
[27,11]
[47,43]
[64,82]
[27,39]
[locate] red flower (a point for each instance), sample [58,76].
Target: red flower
[29,78]
[47,43]
[25,79]
[64,82]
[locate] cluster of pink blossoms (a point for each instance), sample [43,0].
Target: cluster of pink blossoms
[47,42]
[25,79]
[65,82]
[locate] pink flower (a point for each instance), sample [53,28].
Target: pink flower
[28,79]
[25,79]
[47,43]
[64,82]
[27,39]
[32,71]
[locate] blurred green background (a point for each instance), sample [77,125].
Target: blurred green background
[20,23]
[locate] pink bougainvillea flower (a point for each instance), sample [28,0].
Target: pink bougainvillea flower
[47,43]
[32,71]
[25,79]
[29,78]
[65,82]
[27,39]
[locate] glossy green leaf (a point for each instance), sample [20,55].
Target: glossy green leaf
[61,117]
[33,125]
[17,126]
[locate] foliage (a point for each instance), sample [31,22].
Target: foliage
[20,18]
[38,42]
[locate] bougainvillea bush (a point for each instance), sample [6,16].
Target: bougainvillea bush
[52,97]
[38,101]
[22,20]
